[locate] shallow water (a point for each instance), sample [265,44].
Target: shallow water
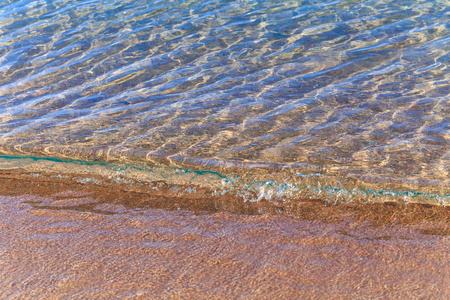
[348,93]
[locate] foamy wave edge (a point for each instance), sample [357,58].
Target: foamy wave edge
[278,187]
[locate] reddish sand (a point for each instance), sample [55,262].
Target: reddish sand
[72,240]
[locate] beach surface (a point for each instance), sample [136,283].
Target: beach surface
[64,240]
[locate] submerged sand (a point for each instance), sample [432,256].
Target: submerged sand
[63,240]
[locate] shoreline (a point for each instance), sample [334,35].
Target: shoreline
[161,195]
[252,186]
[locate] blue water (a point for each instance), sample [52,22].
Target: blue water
[355,91]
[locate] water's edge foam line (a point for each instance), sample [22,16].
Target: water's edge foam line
[248,187]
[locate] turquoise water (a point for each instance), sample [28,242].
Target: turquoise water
[326,96]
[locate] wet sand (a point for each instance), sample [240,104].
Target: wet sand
[63,239]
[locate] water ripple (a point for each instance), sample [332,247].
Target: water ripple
[354,88]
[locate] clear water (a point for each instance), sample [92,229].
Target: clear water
[355,94]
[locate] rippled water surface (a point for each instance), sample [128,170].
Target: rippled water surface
[347,89]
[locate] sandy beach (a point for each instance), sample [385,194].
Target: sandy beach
[224,149]
[64,240]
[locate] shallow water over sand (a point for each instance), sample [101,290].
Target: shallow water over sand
[347,89]
[219,149]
